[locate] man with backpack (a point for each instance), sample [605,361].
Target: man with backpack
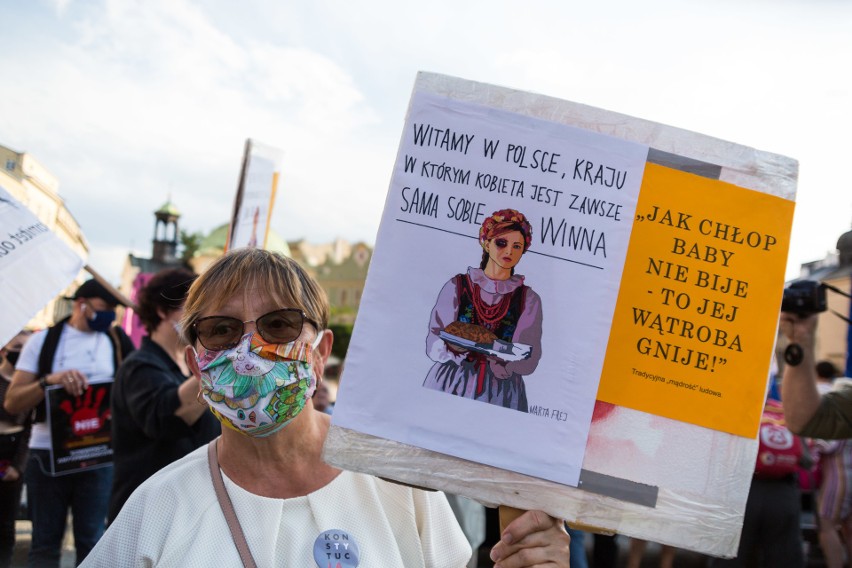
[81,348]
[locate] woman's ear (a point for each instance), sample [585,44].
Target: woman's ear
[191,362]
[323,352]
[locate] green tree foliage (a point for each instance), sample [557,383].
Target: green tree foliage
[189,243]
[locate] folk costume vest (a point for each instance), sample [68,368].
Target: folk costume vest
[500,318]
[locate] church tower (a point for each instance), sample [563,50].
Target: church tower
[166,234]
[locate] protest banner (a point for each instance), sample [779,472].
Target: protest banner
[35,265]
[79,427]
[621,215]
[255,196]
[130,322]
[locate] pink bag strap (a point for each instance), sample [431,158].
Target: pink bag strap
[228,507]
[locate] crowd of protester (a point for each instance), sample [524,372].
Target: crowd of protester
[171,394]
[169,397]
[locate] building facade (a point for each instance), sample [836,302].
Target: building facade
[343,281]
[340,267]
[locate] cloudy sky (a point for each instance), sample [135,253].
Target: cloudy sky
[130,102]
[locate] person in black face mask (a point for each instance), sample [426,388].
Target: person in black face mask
[14,437]
[80,349]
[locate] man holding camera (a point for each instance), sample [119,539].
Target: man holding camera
[828,416]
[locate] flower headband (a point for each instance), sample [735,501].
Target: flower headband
[500,222]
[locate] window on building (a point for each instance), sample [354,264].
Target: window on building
[11,164]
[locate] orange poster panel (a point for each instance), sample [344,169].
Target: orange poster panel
[697,311]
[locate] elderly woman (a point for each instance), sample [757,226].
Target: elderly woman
[492,297]
[155,416]
[261,494]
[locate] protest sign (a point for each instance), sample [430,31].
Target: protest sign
[79,427]
[35,265]
[411,408]
[695,323]
[576,191]
[255,196]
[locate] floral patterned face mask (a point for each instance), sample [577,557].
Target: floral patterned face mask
[257,388]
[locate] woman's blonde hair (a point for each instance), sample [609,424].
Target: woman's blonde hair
[248,271]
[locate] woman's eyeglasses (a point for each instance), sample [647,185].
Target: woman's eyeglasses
[218,333]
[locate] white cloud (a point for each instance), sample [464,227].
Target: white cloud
[151,98]
[128,101]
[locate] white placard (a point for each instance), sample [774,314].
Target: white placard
[35,265]
[255,196]
[458,163]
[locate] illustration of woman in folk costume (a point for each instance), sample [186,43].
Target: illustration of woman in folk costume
[485,329]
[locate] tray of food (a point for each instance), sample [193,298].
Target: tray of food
[481,340]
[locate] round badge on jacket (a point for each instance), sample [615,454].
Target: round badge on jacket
[336,548]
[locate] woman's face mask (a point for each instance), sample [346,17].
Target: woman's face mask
[257,388]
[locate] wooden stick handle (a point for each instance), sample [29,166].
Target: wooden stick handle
[507,515]
[591,529]
[112,289]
